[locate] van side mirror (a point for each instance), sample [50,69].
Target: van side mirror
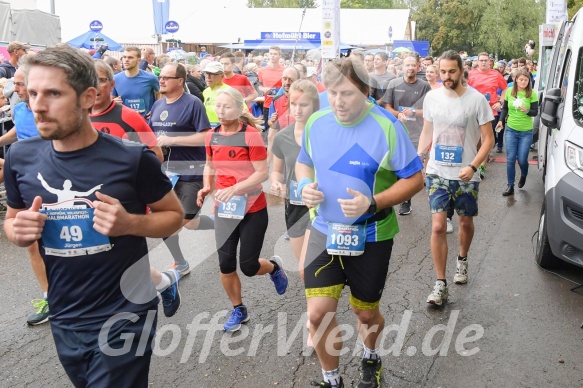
[550,106]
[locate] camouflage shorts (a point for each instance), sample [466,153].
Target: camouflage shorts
[462,195]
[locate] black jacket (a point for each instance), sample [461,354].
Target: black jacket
[7,70]
[195,86]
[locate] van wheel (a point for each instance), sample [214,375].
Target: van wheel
[544,256]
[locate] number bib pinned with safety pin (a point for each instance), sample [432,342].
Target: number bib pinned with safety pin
[345,240]
[69,233]
[448,155]
[234,209]
[294,198]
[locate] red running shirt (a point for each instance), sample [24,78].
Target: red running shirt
[232,155]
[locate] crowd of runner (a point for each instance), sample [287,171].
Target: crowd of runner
[134,152]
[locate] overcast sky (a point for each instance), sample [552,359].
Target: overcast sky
[128,21]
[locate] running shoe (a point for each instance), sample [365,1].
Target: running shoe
[184,269]
[439,294]
[325,384]
[42,312]
[370,373]
[238,316]
[449,227]
[171,295]
[461,272]
[405,208]
[482,170]
[279,278]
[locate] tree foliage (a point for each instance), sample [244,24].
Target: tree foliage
[573,6]
[282,3]
[367,4]
[497,26]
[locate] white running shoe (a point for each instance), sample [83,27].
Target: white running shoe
[449,226]
[439,294]
[461,272]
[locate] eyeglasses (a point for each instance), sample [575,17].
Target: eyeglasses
[102,80]
[483,60]
[164,78]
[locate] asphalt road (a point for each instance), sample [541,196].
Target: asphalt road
[512,325]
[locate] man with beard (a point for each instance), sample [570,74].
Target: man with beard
[135,88]
[180,122]
[456,117]
[84,197]
[404,99]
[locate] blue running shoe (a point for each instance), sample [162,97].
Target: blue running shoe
[238,316]
[279,278]
[171,295]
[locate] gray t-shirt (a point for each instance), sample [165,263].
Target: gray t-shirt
[456,130]
[378,84]
[401,95]
[286,148]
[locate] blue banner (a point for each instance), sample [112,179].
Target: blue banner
[161,15]
[312,36]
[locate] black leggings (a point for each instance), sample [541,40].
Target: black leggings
[250,231]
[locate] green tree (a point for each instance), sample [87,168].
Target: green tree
[449,24]
[282,3]
[367,4]
[497,26]
[505,31]
[573,6]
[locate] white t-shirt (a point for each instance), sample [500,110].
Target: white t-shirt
[456,130]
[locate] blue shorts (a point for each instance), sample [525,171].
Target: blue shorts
[463,194]
[125,364]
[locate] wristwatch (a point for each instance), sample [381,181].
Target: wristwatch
[372,208]
[414,111]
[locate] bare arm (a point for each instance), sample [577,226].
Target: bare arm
[111,218]
[8,138]
[208,179]
[277,178]
[311,196]
[158,151]
[193,140]
[389,107]
[425,138]
[251,97]
[24,226]
[401,191]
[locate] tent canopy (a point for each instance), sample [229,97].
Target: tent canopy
[92,40]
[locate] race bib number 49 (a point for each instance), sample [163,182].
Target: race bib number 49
[69,233]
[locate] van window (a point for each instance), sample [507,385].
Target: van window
[565,78]
[578,91]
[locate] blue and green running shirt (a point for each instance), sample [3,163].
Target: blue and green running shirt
[368,156]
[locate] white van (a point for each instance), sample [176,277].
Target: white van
[560,147]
